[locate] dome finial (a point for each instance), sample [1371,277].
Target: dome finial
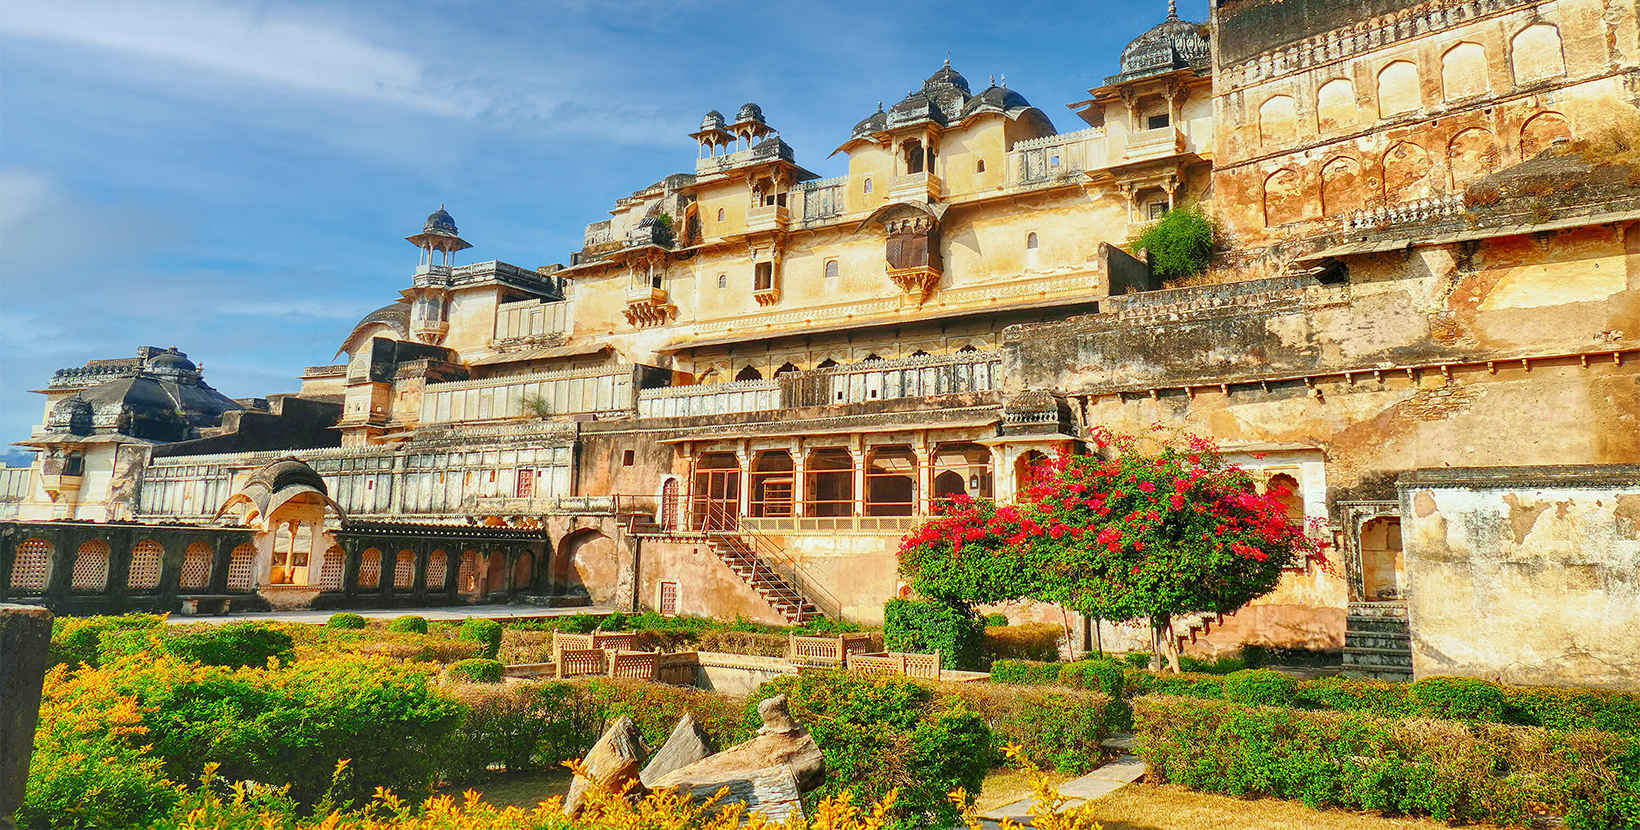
[1172,9]
[948,59]
[1004,82]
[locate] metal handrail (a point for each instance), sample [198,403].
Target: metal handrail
[719,521]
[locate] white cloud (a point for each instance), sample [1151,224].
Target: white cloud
[25,193]
[272,46]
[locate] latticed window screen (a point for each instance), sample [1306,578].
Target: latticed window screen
[91,566]
[31,567]
[146,560]
[467,576]
[196,565]
[404,569]
[239,567]
[436,566]
[370,568]
[330,573]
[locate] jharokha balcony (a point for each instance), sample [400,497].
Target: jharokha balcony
[648,305]
[915,187]
[1160,143]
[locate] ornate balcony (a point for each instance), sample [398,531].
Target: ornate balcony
[648,306]
[915,187]
[767,218]
[1160,143]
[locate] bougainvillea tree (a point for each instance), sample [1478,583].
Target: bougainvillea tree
[1119,535]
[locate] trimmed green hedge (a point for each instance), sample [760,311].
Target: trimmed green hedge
[346,619]
[1056,727]
[1449,770]
[1260,687]
[409,623]
[486,633]
[475,670]
[915,625]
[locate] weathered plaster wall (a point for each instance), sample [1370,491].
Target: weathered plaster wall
[1525,575]
[706,586]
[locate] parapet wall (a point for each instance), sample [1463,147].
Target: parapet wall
[1528,575]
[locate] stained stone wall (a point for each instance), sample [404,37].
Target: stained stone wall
[1527,575]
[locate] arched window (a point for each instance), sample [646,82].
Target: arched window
[31,568]
[1341,187]
[370,568]
[1335,105]
[1285,490]
[772,484]
[1398,89]
[1541,132]
[723,280]
[962,469]
[91,566]
[147,558]
[979,166]
[1277,122]
[1031,242]
[196,566]
[749,373]
[1283,198]
[786,368]
[1027,471]
[331,567]
[404,569]
[1463,72]
[240,561]
[467,575]
[1408,173]
[828,363]
[831,269]
[1537,54]
[829,490]
[865,187]
[436,567]
[1471,154]
[720,214]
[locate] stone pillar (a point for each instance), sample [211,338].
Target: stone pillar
[25,636]
[858,458]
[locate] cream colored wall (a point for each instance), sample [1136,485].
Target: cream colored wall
[472,319]
[984,138]
[868,161]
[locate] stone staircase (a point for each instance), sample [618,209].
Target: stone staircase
[738,550]
[1377,641]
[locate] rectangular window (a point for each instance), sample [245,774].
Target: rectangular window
[765,277]
[628,458]
[668,599]
[1157,209]
[526,484]
[1156,122]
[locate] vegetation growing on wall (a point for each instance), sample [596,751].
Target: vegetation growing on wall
[1181,243]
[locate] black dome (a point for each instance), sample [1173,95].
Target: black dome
[946,77]
[440,222]
[996,99]
[1169,45]
[749,112]
[873,123]
[713,120]
[170,363]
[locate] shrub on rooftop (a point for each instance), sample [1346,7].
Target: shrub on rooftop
[1181,243]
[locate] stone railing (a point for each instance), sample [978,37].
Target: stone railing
[518,320]
[1152,306]
[560,392]
[1055,158]
[598,233]
[1361,37]
[709,399]
[89,375]
[924,186]
[911,377]
[920,666]
[1416,211]
[1159,143]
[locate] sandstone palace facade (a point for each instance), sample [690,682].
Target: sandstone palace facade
[750,381]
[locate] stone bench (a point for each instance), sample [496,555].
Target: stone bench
[197,604]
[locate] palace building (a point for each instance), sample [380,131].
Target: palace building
[750,381]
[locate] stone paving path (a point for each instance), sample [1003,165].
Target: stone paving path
[1124,770]
[453,612]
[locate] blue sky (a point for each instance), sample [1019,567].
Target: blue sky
[236,179]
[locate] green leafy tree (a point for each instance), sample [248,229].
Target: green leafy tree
[1181,243]
[1155,535]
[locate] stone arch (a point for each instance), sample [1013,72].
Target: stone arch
[1277,122]
[786,368]
[1398,89]
[1535,53]
[467,573]
[240,561]
[331,568]
[1284,487]
[1283,197]
[1463,72]
[749,373]
[147,563]
[404,569]
[1335,107]
[1383,565]
[586,565]
[1025,470]
[370,568]
[31,567]
[438,567]
[196,566]
[524,573]
[1472,154]
[495,573]
[1408,173]
[91,566]
[1541,131]
[1342,188]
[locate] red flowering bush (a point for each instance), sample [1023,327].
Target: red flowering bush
[1135,534]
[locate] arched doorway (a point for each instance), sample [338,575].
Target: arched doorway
[1383,567]
[1027,471]
[467,581]
[495,574]
[962,469]
[586,565]
[669,504]
[370,569]
[715,497]
[524,573]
